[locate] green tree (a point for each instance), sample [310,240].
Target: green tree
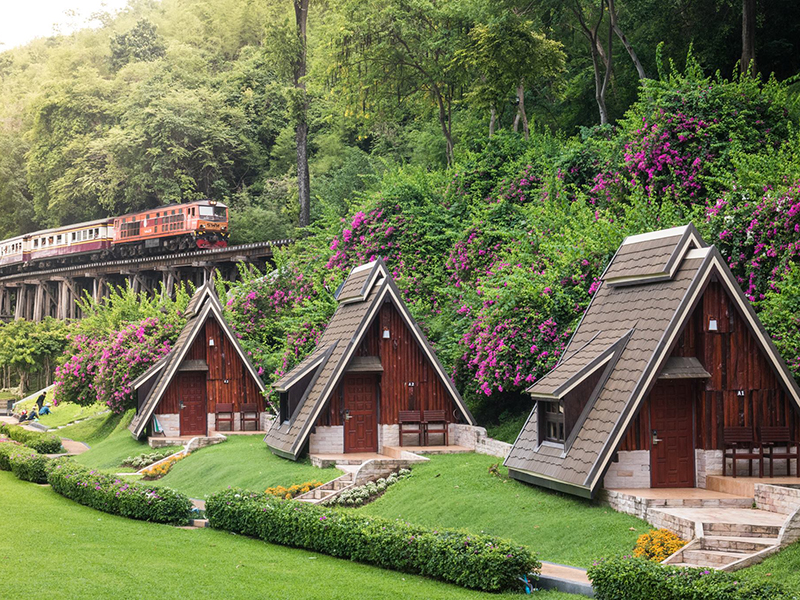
[141,43]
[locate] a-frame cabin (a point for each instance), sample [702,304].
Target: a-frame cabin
[372,362]
[178,395]
[668,355]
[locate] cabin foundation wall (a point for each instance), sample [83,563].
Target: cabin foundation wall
[632,470]
[707,463]
[170,423]
[389,436]
[327,440]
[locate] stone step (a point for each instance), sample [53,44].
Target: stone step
[711,558]
[733,502]
[738,544]
[741,530]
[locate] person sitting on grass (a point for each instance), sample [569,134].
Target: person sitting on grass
[32,415]
[23,416]
[45,410]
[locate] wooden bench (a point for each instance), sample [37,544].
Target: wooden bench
[736,439]
[412,419]
[223,413]
[248,414]
[771,437]
[434,421]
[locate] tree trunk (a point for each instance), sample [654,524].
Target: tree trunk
[301,131]
[748,62]
[444,121]
[492,119]
[612,13]
[521,110]
[598,55]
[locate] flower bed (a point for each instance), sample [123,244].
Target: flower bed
[44,443]
[148,458]
[159,470]
[474,561]
[113,495]
[639,579]
[293,490]
[657,545]
[366,493]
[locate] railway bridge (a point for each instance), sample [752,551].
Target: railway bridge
[34,295]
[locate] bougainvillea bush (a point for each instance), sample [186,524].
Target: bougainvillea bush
[474,561]
[111,494]
[118,341]
[499,256]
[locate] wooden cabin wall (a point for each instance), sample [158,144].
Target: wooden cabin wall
[404,362]
[224,364]
[737,364]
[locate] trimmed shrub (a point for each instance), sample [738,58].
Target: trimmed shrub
[43,443]
[640,579]
[657,545]
[28,465]
[113,495]
[7,449]
[479,562]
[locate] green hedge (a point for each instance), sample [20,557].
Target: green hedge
[7,449]
[29,465]
[43,443]
[640,579]
[113,495]
[474,561]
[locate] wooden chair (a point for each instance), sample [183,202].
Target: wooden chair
[771,437]
[412,419]
[223,413]
[434,421]
[736,439]
[248,414]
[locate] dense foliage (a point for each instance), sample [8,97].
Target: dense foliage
[29,466]
[45,443]
[7,450]
[118,340]
[499,256]
[473,561]
[640,579]
[116,496]
[29,351]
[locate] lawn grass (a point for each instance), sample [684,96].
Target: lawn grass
[781,567]
[104,556]
[242,461]
[109,441]
[508,430]
[456,490]
[64,413]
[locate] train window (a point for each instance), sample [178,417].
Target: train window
[97,232]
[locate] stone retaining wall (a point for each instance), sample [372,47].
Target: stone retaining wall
[327,440]
[171,424]
[777,498]
[476,438]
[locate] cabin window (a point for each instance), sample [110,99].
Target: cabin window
[284,402]
[553,422]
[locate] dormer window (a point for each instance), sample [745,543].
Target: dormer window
[553,422]
[284,406]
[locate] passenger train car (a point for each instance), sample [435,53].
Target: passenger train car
[201,224]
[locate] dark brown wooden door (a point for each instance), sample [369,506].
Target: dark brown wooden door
[360,413]
[672,422]
[192,397]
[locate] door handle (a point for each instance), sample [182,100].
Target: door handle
[181,406]
[656,439]
[347,415]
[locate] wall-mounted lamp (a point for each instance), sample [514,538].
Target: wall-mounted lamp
[386,334]
[210,341]
[712,324]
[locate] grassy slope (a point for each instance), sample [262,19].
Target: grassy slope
[102,556]
[242,461]
[64,413]
[508,430]
[781,567]
[457,491]
[109,440]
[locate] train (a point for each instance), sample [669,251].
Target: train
[173,228]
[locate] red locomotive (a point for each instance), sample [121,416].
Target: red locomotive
[202,224]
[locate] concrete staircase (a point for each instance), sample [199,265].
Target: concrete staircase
[330,490]
[728,546]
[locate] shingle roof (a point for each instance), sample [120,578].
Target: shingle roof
[203,303]
[654,313]
[360,299]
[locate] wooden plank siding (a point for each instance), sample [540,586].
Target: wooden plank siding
[227,379]
[404,362]
[743,389]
